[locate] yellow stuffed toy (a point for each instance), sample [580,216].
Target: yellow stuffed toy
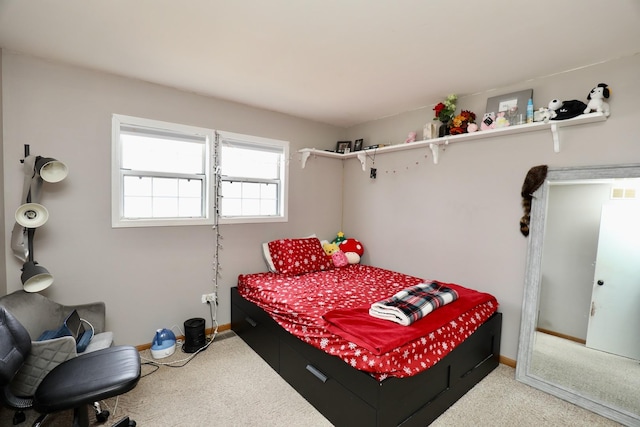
[330,248]
[337,256]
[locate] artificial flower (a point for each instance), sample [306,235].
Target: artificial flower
[460,122]
[444,110]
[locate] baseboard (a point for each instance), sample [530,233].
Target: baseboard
[208,331]
[506,361]
[559,335]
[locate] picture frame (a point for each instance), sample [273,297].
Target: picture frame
[514,103]
[343,147]
[357,145]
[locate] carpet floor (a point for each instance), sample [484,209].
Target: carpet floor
[229,385]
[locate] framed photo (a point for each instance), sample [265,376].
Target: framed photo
[357,145]
[511,103]
[343,147]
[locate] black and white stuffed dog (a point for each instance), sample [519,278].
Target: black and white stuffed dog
[597,98]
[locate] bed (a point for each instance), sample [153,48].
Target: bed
[301,324]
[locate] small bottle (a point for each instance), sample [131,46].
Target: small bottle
[530,111]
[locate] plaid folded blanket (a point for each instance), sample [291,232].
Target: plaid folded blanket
[413,303]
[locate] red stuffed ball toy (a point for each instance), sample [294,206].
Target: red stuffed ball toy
[353,249]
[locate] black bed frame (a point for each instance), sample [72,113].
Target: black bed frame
[349,397]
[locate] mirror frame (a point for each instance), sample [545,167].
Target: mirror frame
[532,285]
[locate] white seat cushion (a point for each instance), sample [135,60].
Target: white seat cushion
[100,341]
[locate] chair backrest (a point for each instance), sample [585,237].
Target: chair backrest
[35,312]
[15,345]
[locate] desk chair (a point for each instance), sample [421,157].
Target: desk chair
[74,384]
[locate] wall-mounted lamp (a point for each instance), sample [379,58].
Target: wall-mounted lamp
[34,277]
[31,215]
[51,170]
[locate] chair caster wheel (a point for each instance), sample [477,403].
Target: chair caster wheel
[125,422]
[102,416]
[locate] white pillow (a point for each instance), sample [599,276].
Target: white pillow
[267,255]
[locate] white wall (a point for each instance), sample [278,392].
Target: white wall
[458,221]
[148,277]
[3,266]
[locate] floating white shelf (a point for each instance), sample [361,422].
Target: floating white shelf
[434,144]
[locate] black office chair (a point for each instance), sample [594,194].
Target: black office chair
[74,384]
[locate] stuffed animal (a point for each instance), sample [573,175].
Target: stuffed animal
[339,238]
[488,121]
[544,114]
[562,110]
[596,100]
[411,137]
[330,248]
[353,249]
[501,120]
[472,127]
[338,257]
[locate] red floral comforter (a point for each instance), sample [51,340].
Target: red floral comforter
[300,305]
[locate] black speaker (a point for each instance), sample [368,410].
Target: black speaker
[194,337]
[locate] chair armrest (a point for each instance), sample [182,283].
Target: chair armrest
[93,313]
[44,356]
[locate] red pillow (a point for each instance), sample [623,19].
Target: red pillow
[299,256]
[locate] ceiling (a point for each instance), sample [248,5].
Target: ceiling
[341,62]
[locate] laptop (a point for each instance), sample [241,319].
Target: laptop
[72,326]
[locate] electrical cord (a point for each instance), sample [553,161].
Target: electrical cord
[183,362]
[93,331]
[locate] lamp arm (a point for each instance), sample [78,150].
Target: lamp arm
[30,234]
[32,184]
[18,236]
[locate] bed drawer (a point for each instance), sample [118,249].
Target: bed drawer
[256,329]
[335,402]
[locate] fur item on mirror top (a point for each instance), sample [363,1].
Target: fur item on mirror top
[534,179]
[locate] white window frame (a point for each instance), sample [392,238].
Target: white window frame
[117,174]
[283,197]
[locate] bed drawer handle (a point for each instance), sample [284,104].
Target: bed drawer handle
[322,377]
[251,321]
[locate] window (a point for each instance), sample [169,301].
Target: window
[253,178]
[161,173]
[164,174]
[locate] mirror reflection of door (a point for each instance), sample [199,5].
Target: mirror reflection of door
[614,320]
[578,252]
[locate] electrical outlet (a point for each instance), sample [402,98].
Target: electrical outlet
[209,298]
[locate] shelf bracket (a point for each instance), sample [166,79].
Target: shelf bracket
[305,156]
[363,160]
[434,151]
[556,138]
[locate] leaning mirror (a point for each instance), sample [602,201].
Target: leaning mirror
[580,330]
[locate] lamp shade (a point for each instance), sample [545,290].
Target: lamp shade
[51,170]
[32,215]
[35,278]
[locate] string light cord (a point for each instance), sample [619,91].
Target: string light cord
[213,306]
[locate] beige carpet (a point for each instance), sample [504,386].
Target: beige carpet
[599,375]
[229,385]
